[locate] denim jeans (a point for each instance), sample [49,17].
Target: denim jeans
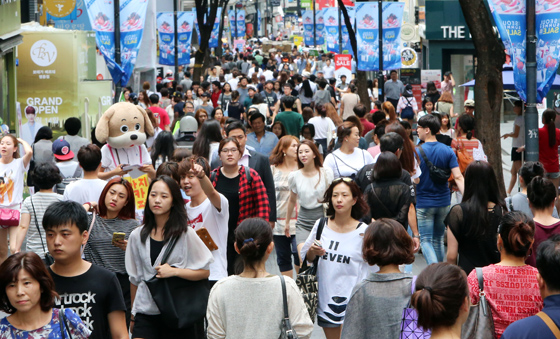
[432,229]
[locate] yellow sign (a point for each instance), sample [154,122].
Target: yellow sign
[140,188]
[298,40]
[60,8]
[408,57]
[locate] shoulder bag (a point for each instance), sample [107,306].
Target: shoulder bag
[181,302]
[48,259]
[437,174]
[307,278]
[286,327]
[409,321]
[550,323]
[479,324]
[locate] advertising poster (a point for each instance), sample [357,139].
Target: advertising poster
[548,33]
[343,65]
[392,22]
[367,36]
[427,75]
[345,36]
[166,34]
[185,20]
[239,44]
[320,27]
[308,27]
[510,20]
[213,42]
[231,17]
[331,29]
[240,23]
[72,15]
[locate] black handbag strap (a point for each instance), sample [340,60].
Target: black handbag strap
[64,328]
[428,162]
[482,296]
[37,224]
[284,297]
[480,279]
[168,250]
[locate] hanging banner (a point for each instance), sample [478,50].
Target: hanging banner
[510,20]
[343,65]
[239,44]
[320,26]
[392,22]
[308,27]
[367,36]
[72,15]
[548,34]
[232,24]
[213,42]
[166,34]
[347,48]
[240,24]
[185,20]
[133,15]
[331,29]
[259,19]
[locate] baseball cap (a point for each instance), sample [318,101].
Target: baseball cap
[469,103]
[207,95]
[61,150]
[29,110]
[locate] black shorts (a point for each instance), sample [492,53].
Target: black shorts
[152,327]
[515,156]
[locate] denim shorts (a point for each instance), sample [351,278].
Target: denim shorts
[322,322]
[553,175]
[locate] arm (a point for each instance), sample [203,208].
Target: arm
[166,271]
[28,152]
[291,205]
[452,247]
[133,289]
[21,232]
[298,104]
[413,224]
[451,113]
[207,186]
[117,325]
[459,180]
[107,175]
[341,108]
[452,80]
[513,134]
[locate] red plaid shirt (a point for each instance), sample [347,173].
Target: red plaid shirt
[253,201]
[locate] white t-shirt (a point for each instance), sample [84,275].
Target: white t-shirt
[520,140]
[339,270]
[323,126]
[310,192]
[346,165]
[84,190]
[11,188]
[328,71]
[111,158]
[216,222]
[233,83]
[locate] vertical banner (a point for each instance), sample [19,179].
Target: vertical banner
[240,24]
[548,34]
[320,26]
[392,22]
[166,34]
[367,36]
[185,20]
[213,42]
[308,27]
[259,19]
[133,15]
[331,29]
[346,46]
[232,24]
[510,20]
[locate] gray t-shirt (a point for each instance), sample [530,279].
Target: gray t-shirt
[519,202]
[41,201]
[186,84]
[393,89]
[76,142]
[322,97]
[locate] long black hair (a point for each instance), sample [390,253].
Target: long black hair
[481,187]
[549,116]
[209,132]
[44,133]
[164,145]
[177,222]
[306,87]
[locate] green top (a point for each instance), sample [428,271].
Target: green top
[247,103]
[293,121]
[259,59]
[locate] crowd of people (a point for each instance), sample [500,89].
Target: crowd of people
[286,159]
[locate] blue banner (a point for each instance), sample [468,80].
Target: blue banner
[185,20]
[166,37]
[308,27]
[240,24]
[232,24]
[213,42]
[367,36]
[548,34]
[133,16]
[510,20]
[259,19]
[392,22]
[331,29]
[320,26]
[345,36]
[77,20]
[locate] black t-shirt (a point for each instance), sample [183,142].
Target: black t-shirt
[363,179]
[155,248]
[92,296]
[178,108]
[331,91]
[235,109]
[230,189]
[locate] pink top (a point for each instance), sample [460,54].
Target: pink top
[374,151]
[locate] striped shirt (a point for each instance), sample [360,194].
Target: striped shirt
[40,201]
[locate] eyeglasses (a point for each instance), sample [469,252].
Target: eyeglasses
[228,150]
[345,179]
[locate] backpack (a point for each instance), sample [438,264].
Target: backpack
[407,112]
[247,175]
[463,158]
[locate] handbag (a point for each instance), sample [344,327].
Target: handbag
[409,321]
[437,174]
[48,259]
[307,279]
[9,217]
[181,302]
[287,332]
[479,324]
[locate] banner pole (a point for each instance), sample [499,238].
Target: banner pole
[339,30]
[531,114]
[117,17]
[381,82]
[176,41]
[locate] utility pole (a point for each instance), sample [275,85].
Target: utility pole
[339,30]
[381,81]
[531,114]
[314,26]
[176,40]
[117,25]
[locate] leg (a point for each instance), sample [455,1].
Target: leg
[439,231]
[332,332]
[283,247]
[515,166]
[12,235]
[3,244]
[555,181]
[295,255]
[426,229]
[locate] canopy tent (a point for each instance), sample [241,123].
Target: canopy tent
[507,79]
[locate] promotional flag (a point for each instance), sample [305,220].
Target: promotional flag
[232,24]
[392,22]
[331,29]
[240,23]
[213,42]
[510,20]
[259,19]
[185,21]
[343,65]
[367,36]
[548,35]
[345,36]
[308,27]
[320,26]
[166,32]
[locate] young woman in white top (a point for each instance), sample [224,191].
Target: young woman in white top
[251,304]
[165,217]
[349,158]
[12,171]
[446,128]
[341,264]
[324,126]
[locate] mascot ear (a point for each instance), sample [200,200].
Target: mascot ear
[148,128]
[102,128]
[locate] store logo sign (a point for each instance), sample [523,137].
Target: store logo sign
[43,53]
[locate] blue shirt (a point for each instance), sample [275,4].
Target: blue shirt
[266,145]
[429,194]
[535,327]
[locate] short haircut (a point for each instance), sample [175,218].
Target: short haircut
[89,157]
[236,125]
[63,213]
[154,98]
[391,142]
[128,210]
[360,110]
[72,125]
[386,242]
[256,116]
[548,262]
[430,121]
[46,175]
[393,71]
[379,130]
[164,92]
[288,101]
[228,140]
[34,266]
[185,166]
[378,116]
[169,168]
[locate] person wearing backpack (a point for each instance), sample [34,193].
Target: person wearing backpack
[407,106]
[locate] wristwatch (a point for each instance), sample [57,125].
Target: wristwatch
[416,236]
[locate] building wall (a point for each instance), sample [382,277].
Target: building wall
[10,24]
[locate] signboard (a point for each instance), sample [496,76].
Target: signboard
[166,31]
[140,188]
[446,21]
[412,76]
[76,19]
[298,40]
[430,75]
[239,44]
[408,57]
[343,66]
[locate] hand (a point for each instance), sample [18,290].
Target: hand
[165,271]
[520,149]
[91,207]
[146,168]
[197,170]
[120,244]
[505,136]
[416,242]
[287,231]
[316,250]
[119,171]
[20,140]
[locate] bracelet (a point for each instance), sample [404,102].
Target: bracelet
[416,236]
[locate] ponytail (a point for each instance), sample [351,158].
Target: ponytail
[549,116]
[517,231]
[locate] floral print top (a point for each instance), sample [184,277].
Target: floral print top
[74,328]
